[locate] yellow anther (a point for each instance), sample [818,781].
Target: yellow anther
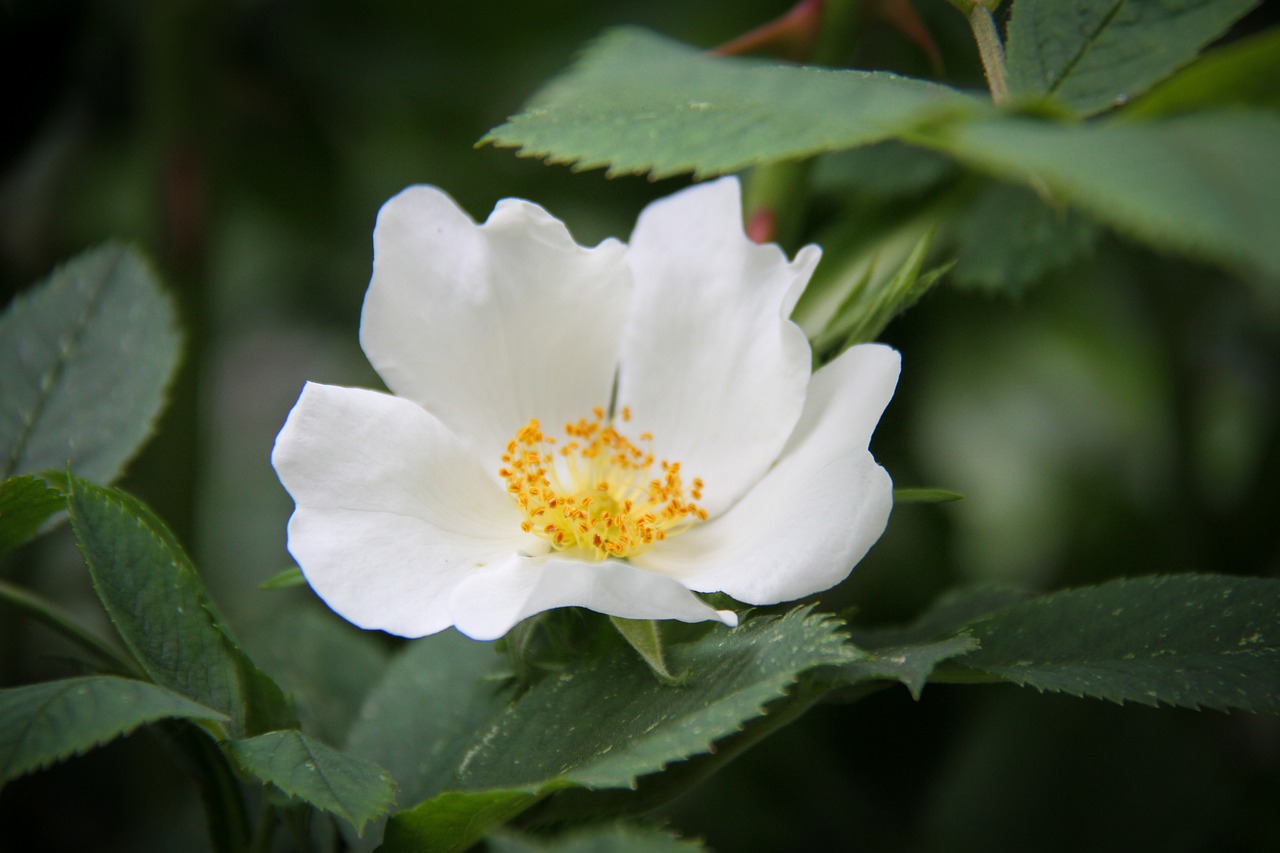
[597,498]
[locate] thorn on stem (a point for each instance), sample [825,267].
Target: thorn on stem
[793,35]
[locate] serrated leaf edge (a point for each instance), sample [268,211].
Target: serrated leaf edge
[9,770]
[385,803]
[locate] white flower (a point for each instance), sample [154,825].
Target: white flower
[614,428]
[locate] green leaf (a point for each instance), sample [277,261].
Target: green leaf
[436,695]
[85,358]
[26,503]
[655,790]
[1205,184]
[325,664]
[619,838]
[636,102]
[872,300]
[1008,239]
[351,788]
[948,616]
[887,170]
[1196,641]
[912,664]
[861,252]
[284,580]
[155,599]
[645,636]
[453,821]
[1095,54]
[44,723]
[1242,73]
[608,721]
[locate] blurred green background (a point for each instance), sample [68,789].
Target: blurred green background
[1109,412]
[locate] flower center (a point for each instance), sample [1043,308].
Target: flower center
[597,494]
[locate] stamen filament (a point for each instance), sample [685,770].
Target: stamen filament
[597,497]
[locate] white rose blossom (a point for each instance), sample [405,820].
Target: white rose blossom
[616,428]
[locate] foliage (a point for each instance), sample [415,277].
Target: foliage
[1092,55]
[1112,427]
[26,502]
[639,103]
[54,720]
[1189,640]
[90,353]
[688,112]
[157,603]
[356,791]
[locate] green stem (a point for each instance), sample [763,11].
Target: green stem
[200,757]
[65,624]
[219,790]
[779,191]
[991,50]
[841,23]
[178,118]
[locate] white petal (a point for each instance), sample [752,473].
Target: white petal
[392,509]
[711,366]
[490,601]
[488,326]
[816,513]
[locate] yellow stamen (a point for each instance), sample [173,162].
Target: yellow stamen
[597,497]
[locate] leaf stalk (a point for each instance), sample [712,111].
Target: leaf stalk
[991,49]
[65,624]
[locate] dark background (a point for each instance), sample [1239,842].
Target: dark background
[1116,416]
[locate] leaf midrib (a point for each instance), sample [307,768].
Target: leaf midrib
[1086,46]
[66,352]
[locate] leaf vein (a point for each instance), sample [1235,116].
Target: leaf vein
[1086,45]
[70,345]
